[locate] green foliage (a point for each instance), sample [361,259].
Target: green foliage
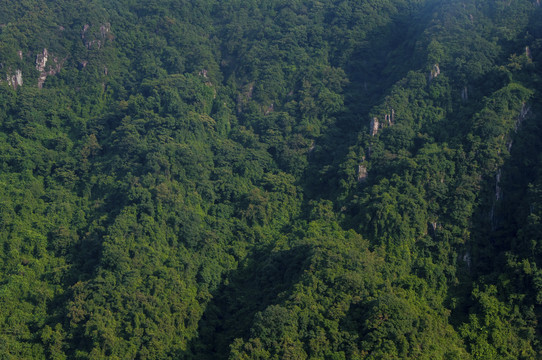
[198,179]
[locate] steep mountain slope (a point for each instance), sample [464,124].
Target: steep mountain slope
[270,179]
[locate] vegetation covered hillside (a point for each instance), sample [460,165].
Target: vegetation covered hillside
[356,179]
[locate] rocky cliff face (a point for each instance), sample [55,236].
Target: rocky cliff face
[435,72]
[41,62]
[465,94]
[362,172]
[15,79]
[375,126]
[96,39]
[47,64]
[41,66]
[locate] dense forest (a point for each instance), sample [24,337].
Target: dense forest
[270,179]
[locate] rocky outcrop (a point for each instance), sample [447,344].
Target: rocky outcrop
[93,43]
[41,60]
[270,109]
[467,259]
[362,172]
[16,79]
[435,72]
[19,77]
[312,146]
[105,29]
[96,39]
[465,94]
[433,228]
[525,110]
[41,65]
[375,126]
[244,97]
[390,118]
[84,31]
[509,145]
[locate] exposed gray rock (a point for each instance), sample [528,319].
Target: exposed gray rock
[525,110]
[528,53]
[362,172]
[375,126]
[41,65]
[105,29]
[16,79]
[41,60]
[467,259]
[270,109]
[435,72]
[84,31]
[92,39]
[313,145]
[465,94]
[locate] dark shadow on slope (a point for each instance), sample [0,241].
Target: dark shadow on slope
[502,213]
[505,208]
[264,279]
[372,70]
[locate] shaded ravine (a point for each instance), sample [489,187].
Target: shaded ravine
[230,313]
[265,278]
